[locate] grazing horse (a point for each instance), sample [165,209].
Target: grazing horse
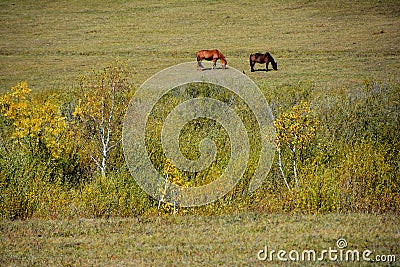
[210,55]
[262,58]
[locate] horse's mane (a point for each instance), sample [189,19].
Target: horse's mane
[221,56]
[270,57]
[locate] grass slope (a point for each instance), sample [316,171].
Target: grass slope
[50,43]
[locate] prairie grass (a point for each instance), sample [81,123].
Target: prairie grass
[328,42]
[227,240]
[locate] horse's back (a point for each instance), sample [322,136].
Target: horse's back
[259,57]
[208,53]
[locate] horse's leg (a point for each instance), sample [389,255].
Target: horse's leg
[266,66]
[252,65]
[199,65]
[214,62]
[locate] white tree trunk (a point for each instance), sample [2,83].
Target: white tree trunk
[281,167]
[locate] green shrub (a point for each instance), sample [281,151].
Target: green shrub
[349,160]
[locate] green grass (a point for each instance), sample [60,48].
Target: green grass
[329,42]
[232,240]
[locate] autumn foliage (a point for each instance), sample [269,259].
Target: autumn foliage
[61,154]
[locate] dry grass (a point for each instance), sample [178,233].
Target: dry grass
[232,240]
[329,42]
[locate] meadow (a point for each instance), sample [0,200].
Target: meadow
[337,87]
[329,42]
[227,240]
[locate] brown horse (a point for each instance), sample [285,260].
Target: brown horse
[210,55]
[262,58]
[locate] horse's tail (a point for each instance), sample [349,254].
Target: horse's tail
[198,55]
[251,57]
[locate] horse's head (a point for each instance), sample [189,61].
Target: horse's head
[224,62]
[274,65]
[272,60]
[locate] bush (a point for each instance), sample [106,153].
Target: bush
[347,158]
[352,164]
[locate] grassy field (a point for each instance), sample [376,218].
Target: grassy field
[50,43]
[233,240]
[329,44]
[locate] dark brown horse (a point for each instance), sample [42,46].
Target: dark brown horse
[210,55]
[262,58]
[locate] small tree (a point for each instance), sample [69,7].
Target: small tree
[294,131]
[103,99]
[37,123]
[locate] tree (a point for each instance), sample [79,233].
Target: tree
[294,131]
[102,101]
[37,124]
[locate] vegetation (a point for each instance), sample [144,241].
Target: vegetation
[338,153]
[69,69]
[232,240]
